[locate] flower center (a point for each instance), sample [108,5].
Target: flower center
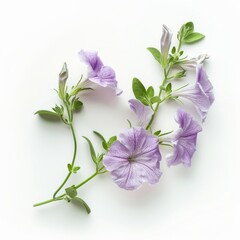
[131,159]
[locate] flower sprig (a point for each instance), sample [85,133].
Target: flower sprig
[134,157]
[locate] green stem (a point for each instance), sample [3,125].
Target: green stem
[166,72]
[70,117]
[61,197]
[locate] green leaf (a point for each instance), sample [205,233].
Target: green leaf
[69,166]
[156,53]
[157,133]
[155,99]
[193,37]
[71,192]
[173,50]
[150,92]
[48,114]
[189,27]
[99,135]
[138,89]
[75,169]
[111,141]
[105,146]
[82,203]
[169,88]
[144,100]
[92,151]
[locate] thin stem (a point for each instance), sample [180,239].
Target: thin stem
[166,72]
[61,197]
[70,117]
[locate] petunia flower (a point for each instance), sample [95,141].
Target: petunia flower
[184,141]
[63,76]
[98,74]
[165,43]
[200,94]
[143,113]
[134,159]
[194,62]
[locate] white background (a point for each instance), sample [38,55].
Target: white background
[36,38]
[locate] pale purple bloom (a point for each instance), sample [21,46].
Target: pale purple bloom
[201,94]
[184,141]
[143,113]
[194,62]
[98,74]
[134,159]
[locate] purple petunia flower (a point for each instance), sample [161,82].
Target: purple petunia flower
[98,74]
[134,159]
[184,141]
[165,43]
[201,94]
[144,113]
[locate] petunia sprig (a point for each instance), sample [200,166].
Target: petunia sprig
[134,157]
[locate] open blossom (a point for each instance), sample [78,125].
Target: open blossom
[194,62]
[134,159]
[201,94]
[143,113]
[98,74]
[184,141]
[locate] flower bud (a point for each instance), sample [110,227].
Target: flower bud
[63,76]
[165,44]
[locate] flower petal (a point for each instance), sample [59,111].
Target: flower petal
[92,60]
[184,140]
[144,113]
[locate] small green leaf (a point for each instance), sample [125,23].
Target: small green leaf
[157,133]
[71,192]
[155,99]
[169,88]
[69,166]
[173,50]
[105,146]
[150,92]
[92,151]
[193,37]
[48,114]
[138,89]
[75,169]
[82,203]
[111,141]
[99,135]
[156,53]
[189,27]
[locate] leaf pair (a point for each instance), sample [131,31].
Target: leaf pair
[71,196]
[187,34]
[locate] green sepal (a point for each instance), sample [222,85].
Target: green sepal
[92,151]
[82,203]
[155,99]
[48,114]
[76,105]
[156,53]
[139,90]
[150,92]
[193,37]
